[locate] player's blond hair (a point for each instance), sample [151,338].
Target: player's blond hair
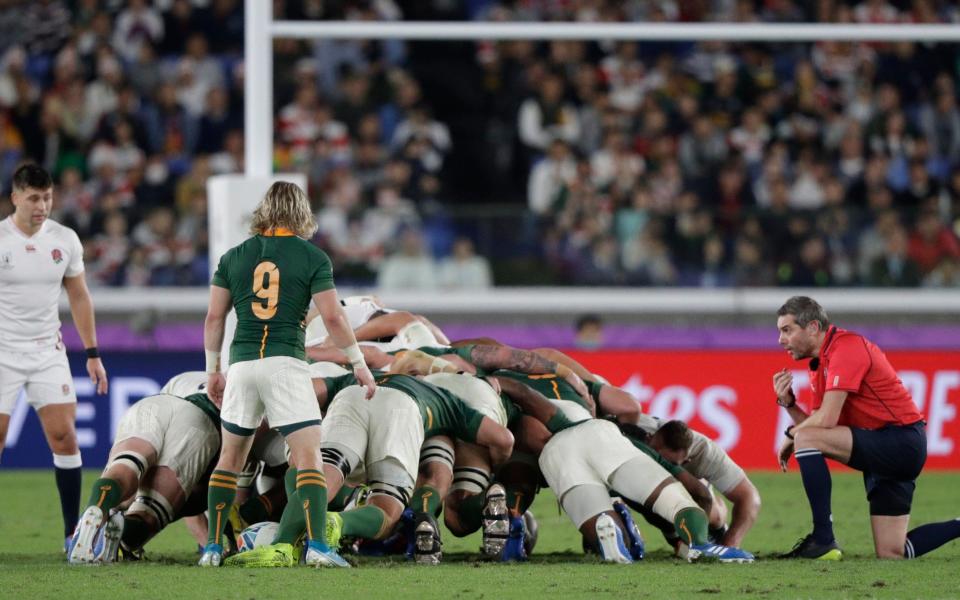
[284,205]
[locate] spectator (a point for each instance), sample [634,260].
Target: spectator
[932,242]
[137,25]
[550,176]
[548,116]
[410,268]
[589,332]
[463,269]
[894,268]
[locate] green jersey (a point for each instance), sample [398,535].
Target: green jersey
[443,412]
[271,281]
[202,401]
[550,385]
[641,444]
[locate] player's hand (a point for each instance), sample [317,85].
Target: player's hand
[216,383]
[98,375]
[786,451]
[365,378]
[783,387]
[574,380]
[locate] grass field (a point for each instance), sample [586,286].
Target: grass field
[32,564]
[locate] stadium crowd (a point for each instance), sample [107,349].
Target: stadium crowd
[703,164]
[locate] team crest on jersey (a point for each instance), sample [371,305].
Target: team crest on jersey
[57,255]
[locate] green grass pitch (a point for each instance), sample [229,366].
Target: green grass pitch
[32,564]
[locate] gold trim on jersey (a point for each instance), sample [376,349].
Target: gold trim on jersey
[263,342]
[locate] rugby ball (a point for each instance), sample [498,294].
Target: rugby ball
[258,534]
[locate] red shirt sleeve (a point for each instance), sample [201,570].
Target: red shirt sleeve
[849,362]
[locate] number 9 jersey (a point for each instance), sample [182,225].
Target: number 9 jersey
[272,279]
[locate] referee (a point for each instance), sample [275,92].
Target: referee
[863,417]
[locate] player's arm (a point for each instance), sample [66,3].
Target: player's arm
[340,333]
[746,507]
[384,326]
[81,307]
[436,331]
[218,308]
[496,438]
[563,359]
[530,401]
[491,358]
[699,492]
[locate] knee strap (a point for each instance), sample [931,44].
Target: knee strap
[471,479]
[437,450]
[131,460]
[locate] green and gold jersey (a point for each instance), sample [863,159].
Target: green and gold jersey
[670,467]
[271,281]
[572,409]
[443,412]
[203,402]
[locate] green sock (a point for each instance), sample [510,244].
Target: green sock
[312,488]
[292,523]
[256,509]
[337,503]
[364,522]
[426,499]
[471,513]
[691,525]
[290,481]
[220,496]
[105,494]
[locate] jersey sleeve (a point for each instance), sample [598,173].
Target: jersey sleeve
[849,363]
[220,275]
[322,279]
[76,256]
[469,423]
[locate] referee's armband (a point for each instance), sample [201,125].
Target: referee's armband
[92,352]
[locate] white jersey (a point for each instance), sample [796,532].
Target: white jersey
[186,384]
[357,309]
[32,269]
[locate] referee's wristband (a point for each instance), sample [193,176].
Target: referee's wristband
[92,352]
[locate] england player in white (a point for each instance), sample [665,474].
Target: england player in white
[37,257]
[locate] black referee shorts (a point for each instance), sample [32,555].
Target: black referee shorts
[890,458]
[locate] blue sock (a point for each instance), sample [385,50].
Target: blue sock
[68,474]
[929,537]
[818,485]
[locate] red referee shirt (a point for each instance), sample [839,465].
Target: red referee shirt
[851,363]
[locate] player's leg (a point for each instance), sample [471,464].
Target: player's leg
[4,426]
[158,503]
[49,389]
[58,427]
[390,488]
[591,510]
[435,475]
[463,506]
[240,416]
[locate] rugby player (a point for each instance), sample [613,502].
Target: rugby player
[270,280]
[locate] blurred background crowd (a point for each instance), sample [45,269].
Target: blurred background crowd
[460,165]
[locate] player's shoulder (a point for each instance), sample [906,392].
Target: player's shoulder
[59,230]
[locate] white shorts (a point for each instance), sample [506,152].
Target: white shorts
[709,461]
[45,376]
[475,393]
[388,425]
[185,438]
[277,387]
[585,454]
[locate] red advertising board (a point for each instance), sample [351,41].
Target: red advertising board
[728,395]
